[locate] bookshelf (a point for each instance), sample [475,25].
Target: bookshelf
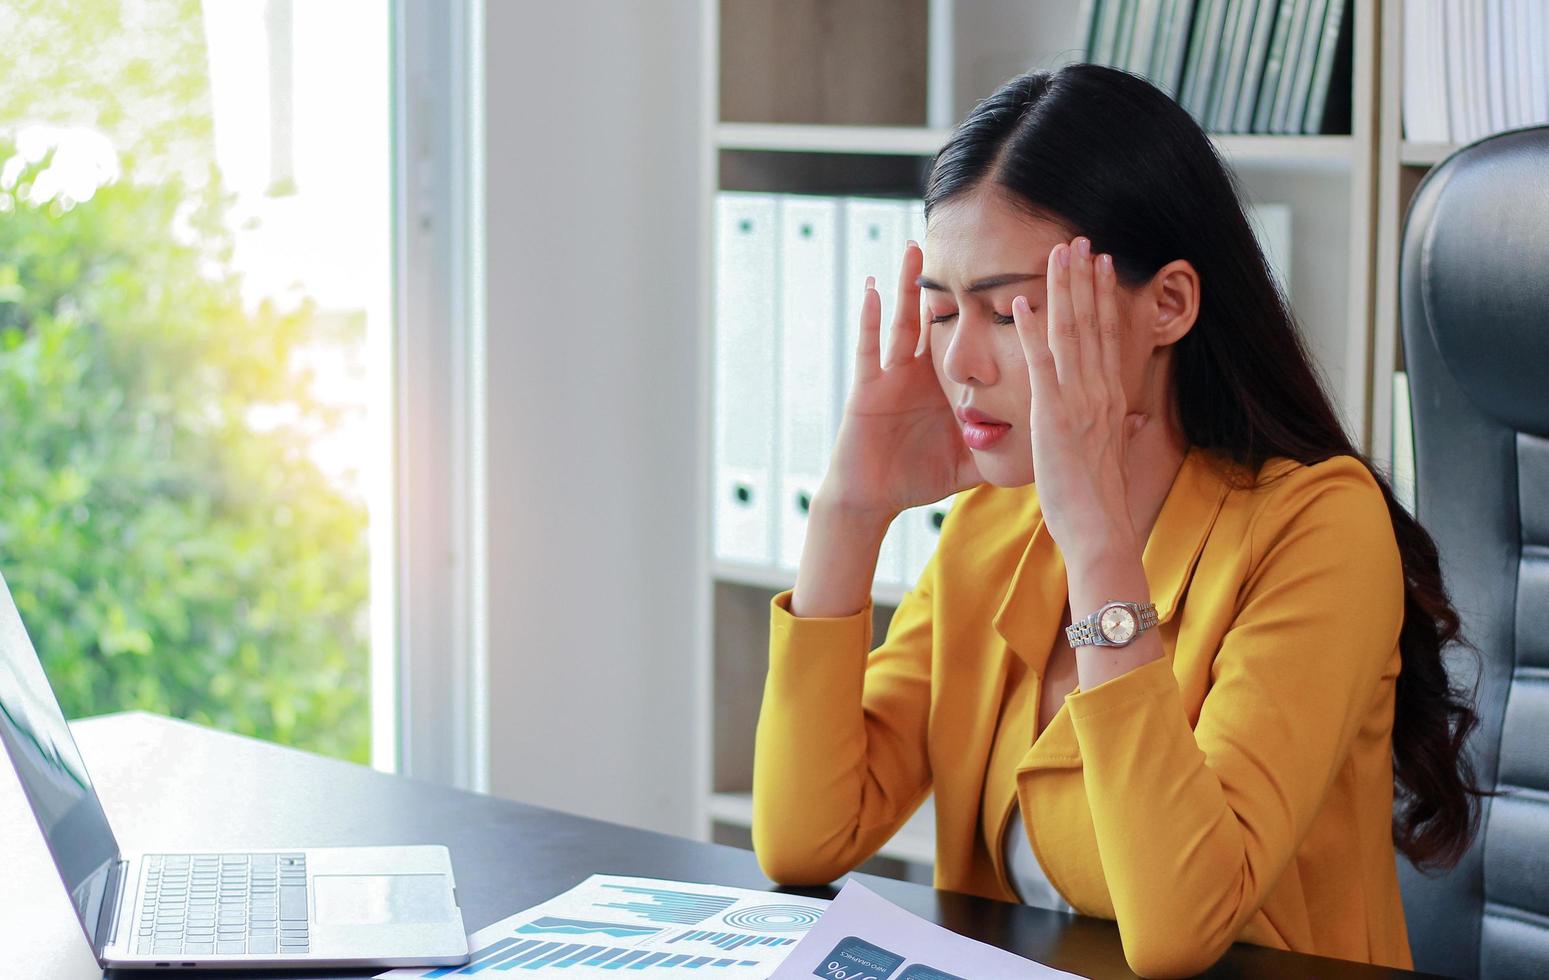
[771,123]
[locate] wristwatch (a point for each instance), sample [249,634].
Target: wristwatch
[1114,624]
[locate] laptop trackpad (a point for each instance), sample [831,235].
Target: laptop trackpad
[360,900]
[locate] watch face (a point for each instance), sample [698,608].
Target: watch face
[1117,624]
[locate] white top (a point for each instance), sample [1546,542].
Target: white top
[1027,878]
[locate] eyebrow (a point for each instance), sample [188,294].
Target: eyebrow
[981,285]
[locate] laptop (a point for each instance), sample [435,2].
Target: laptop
[301,907]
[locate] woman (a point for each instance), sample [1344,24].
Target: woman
[1092,353]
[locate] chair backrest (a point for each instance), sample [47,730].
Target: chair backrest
[1474,308]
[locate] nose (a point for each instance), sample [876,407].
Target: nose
[969,358]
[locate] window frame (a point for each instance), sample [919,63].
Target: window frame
[430,640]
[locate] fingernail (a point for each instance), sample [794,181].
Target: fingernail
[911,242]
[1105,263]
[870,280]
[1083,247]
[1064,256]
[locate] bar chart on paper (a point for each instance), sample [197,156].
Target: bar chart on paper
[669,905]
[581,927]
[613,926]
[731,940]
[534,954]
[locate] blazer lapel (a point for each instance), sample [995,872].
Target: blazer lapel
[1035,601]
[1188,513]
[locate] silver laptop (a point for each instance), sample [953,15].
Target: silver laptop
[312,907]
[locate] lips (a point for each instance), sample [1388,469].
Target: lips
[981,431]
[973,415]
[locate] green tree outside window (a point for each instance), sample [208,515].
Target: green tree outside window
[166,553]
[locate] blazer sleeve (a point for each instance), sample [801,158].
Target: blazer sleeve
[1195,825]
[839,759]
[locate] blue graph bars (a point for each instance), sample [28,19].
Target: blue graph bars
[552,924]
[667,905]
[730,940]
[532,954]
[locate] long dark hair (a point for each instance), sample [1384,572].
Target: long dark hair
[1107,155]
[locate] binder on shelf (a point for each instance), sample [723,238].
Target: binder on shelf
[1460,52]
[1506,68]
[1176,21]
[875,232]
[916,211]
[1498,55]
[1265,13]
[1403,473]
[1104,32]
[745,337]
[1426,74]
[1452,45]
[1264,105]
[1479,85]
[1306,61]
[1460,110]
[1142,49]
[1538,69]
[1519,56]
[1204,49]
[1202,23]
[1508,65]
[1088,16]
[1529,52]
[1415,107]
[1234,59]
[1529,59]
[1334,64]
[923,532]
[1285,84]
[893,560]
[1528,56]
[809,357]
[1519,74]
[1482,60]
[1121,44]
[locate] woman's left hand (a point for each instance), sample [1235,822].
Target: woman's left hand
[1080,424]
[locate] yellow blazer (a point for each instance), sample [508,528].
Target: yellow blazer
[1241,788]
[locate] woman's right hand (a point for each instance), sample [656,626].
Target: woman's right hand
[899,443]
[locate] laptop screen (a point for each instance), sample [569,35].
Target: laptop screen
[51,771]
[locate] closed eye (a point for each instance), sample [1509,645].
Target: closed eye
[996,317]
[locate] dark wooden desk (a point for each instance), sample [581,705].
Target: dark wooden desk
[169,784]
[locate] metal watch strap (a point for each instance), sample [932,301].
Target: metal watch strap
[1085,632]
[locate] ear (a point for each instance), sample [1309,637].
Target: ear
[1170,302]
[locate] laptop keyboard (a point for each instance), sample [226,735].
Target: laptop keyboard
[223,903]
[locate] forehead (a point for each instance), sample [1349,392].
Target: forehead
[980,234]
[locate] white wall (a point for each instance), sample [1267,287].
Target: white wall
[592,374]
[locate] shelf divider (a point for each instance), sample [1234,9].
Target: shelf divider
[1323,151]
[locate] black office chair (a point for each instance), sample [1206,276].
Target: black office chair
[1474,307]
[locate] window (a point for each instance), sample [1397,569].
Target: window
[196,308]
